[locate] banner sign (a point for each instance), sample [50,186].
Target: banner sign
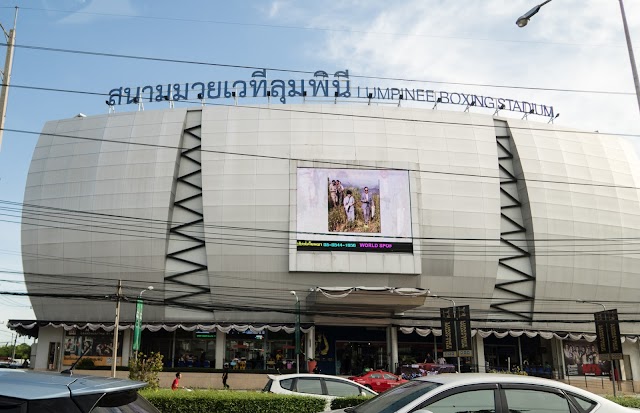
[447,320]
[464,331]
[322,84]
[354,246]
[608,335]
[137,329]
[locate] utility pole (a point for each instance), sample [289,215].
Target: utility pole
[13,355]
[6,74]
[114,353]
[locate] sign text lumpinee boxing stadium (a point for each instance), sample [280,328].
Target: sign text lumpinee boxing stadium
[322,84]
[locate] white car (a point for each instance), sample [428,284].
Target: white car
[486,393]
[316,385]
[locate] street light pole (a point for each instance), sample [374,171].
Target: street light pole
[116,325]
[137,332]
[455,323]
[606,332]
[524,19]
[297,331]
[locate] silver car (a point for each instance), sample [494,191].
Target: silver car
[37,392]
[316,385]
[486,393]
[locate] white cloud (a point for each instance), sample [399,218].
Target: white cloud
[92,10]
[573,44]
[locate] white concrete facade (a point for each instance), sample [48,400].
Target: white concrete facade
[115,196]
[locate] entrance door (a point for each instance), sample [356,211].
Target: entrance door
[354,357]
[53,357]
[499,356]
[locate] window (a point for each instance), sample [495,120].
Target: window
[376,376]
[390,377]
[535,401]
[340,389]
[286,384]
[472,401]
[309,386]
[585,404]
[267,387]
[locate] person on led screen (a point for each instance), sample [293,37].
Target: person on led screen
[333,193]
[366,201]
[349,207]
[340,191]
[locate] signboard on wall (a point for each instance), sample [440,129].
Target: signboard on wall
[583,358]
[357,210]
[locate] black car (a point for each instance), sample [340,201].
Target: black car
[38,392]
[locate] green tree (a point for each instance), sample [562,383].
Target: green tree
[146,368]
[23,351]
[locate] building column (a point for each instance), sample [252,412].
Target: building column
[557,358]
[310,344]
[221,342]
[126,347]
[394,348]
[479,353]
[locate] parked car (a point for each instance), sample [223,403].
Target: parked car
[316,385]
[38,392]
[378,380]
[486,393]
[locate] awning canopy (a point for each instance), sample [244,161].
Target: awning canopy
[381,301]
[31,327]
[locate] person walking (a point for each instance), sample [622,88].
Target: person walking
[176,382]
[225,376]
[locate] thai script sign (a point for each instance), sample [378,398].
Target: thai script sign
[322,84]
[357,246]
[608,335]
[456,331]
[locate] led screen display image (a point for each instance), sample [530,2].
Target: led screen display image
[353,210]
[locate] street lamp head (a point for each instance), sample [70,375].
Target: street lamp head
[524,19]
[293,293]
[150,287]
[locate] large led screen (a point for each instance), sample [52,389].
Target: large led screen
[353,210]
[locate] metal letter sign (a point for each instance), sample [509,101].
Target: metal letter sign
[137,327]
[608,335]
[448,332]
[464,331]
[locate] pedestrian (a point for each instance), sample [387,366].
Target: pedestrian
[176,382]
[225,376]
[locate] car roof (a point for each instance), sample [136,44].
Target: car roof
[456,379]
[313,375]
[294,375]
[32,385]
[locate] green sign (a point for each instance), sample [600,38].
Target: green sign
[137,330]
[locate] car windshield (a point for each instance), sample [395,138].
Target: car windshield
[396,398]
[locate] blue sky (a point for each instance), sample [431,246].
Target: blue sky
[570,44]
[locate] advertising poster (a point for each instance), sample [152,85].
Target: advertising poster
[97,344]
[581,358]
[353,210]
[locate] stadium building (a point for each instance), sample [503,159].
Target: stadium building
[226,210]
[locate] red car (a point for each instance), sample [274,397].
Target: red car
[378,380]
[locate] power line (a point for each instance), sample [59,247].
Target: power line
[343,163]
[312,28]
[307,72]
